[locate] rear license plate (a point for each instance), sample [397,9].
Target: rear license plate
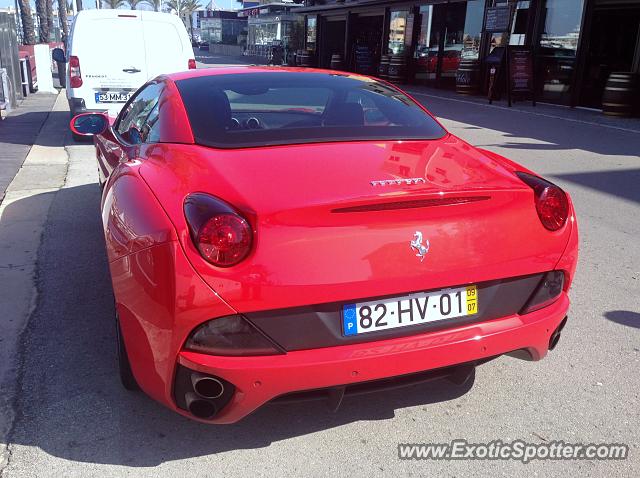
[112,97]
[408,310]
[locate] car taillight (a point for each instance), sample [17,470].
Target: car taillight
[74,72]
[231,335]
[547,292]
[219,232]
[552,204]
[192,64]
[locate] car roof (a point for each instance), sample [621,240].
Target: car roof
[248,69]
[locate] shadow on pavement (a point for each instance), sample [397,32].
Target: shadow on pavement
[71,404]
[557,133]
[624,317]
[623,183]
[13,131]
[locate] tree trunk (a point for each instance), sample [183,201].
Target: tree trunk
[62,17]
[43,25]
[50,27]
[28,32]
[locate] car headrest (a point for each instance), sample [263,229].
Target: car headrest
[345,114]
[214,105]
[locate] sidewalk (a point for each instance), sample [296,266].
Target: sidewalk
[31,176]
[18,132]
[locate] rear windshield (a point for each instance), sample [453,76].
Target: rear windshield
[270,108]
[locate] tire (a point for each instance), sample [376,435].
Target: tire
[126,375]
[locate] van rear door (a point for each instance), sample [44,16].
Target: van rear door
[112,59]
[167,45]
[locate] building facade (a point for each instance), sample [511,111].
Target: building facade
[575,44]
[219,26]
[273,23]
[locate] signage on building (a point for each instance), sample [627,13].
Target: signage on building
[497,19]
[521,69]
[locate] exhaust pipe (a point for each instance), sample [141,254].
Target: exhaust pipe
[200,408]
[555,336]
[206,386]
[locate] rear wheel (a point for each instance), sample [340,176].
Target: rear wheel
[126,375]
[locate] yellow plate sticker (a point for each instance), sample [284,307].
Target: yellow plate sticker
[472,300]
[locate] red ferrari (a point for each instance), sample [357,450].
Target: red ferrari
[280,234]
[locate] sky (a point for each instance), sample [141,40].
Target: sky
[88,4]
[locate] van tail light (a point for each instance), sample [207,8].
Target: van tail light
[192,64]
[552,204]
[74,72]
[220,233]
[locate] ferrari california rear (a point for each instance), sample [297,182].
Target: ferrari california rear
[282,234]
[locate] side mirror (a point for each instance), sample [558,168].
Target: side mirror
[87,124]
[58,55]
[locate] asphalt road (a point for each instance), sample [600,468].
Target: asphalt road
[74,419]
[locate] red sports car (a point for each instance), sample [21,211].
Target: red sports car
[279,234]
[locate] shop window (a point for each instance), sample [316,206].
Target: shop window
[428,44]
[397,30]
[557,48]
[472,30]
[453,39]
[520,22]
[312,22]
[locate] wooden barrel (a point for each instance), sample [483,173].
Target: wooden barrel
[383,68]
[468,77]
[305,58]
[336,62]
[398,69]
[620,94]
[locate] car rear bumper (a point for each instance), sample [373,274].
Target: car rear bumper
[258,380]
[78,106]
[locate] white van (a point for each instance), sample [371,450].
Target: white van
[111,53]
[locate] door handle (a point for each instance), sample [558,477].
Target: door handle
[131,70]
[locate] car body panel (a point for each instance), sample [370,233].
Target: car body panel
[293,189]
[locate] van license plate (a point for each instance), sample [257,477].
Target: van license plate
[109,97]
[409,310]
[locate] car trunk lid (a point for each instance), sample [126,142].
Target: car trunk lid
[327,229]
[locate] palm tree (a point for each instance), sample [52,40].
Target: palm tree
[156,4]
[50,19]
[43,24]
[28,31]
[134,3]
[184,9]
[62,18]
[114,3]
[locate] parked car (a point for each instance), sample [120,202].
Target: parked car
[111,53]
[270,240]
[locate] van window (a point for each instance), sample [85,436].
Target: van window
[134,117]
